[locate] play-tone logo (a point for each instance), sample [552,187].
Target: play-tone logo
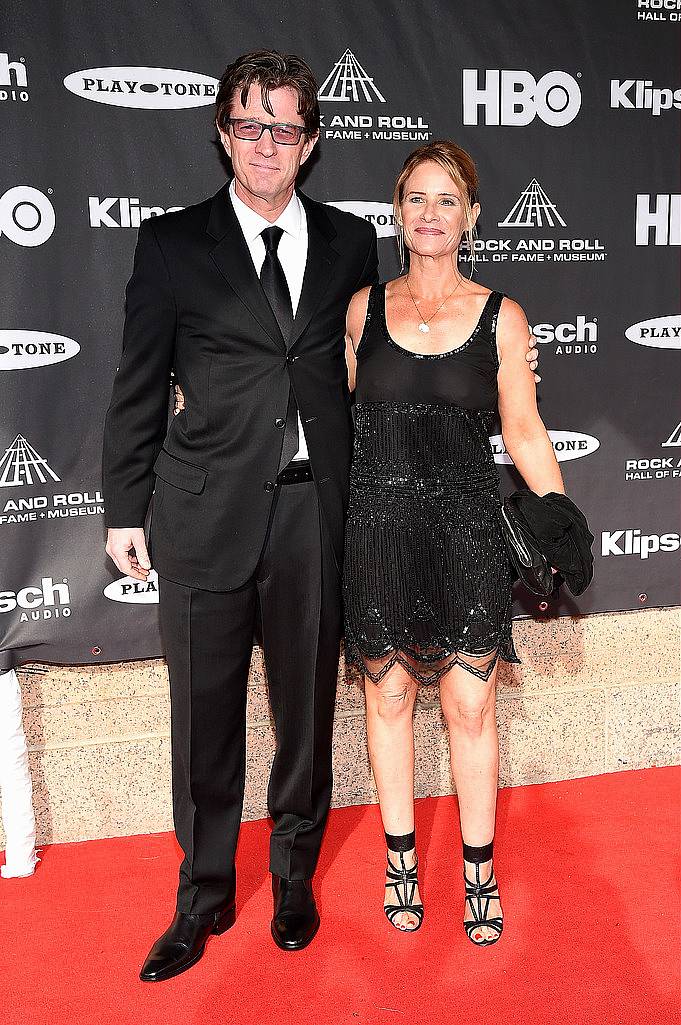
[566,445]
[658,333]
[348,81]
[122,212]
[23,350]
[381,215]
[662,215]
[134,592]
[26,216]
[13,80]
[146,88]
[516,98]
[532,209]
[21,465]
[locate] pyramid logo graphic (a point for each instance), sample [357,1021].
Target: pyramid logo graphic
[674,439]
[349,81]
[533,209]
[21,464]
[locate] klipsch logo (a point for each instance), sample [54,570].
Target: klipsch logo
[23,350]
[48,600]
[658,333]
[21,465]
[660,214]
[121,212]
[635,542]
[381,215]
[349,83]
[134,592]
[659,10]
[13,80]
[516,98]
[348,80]
[566,445]
[641,94]
[148,88]
[26,216]
[536,213]
[657,467]
[572,338]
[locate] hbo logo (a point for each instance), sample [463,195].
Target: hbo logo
[26,216]
[515,98]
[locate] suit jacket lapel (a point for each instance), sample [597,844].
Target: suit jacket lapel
[233,259]
[321,258]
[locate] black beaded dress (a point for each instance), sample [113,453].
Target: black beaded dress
[427,581]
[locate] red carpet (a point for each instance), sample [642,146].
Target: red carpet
[588,875]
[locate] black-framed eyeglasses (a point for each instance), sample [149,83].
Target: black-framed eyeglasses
[283,135]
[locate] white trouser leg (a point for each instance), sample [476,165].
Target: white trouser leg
[16,791]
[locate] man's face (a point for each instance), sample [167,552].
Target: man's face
[264,169]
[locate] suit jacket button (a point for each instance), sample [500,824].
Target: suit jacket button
[291,359]
[268,485]
[280,423]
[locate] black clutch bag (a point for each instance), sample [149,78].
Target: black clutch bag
[528,561]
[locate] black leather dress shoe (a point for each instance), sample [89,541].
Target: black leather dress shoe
[295,920]
[183,943]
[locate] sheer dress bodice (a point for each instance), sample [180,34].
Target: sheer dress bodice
[427,581]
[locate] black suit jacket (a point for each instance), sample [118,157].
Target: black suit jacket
[194,304]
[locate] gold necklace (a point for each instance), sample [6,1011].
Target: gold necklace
[423,326]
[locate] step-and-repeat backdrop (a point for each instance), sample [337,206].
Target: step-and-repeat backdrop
[571,111]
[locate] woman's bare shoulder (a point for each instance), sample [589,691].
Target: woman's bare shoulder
[361,298]
[357,312]
[511,313]
[513,330]
[359,302]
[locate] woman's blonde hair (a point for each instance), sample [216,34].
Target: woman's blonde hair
[460,167]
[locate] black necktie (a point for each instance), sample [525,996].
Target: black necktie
[275,287]
[273,281]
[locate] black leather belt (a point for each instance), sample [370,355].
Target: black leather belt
[296,473]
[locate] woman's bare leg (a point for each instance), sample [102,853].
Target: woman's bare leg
[390,734]
[469,706]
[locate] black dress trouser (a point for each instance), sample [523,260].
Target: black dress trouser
[294,597]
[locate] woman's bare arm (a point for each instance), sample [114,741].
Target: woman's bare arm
[354,326]
[523,431]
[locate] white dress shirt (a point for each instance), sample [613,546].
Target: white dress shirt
[292,253]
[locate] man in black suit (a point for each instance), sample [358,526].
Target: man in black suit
[244,296]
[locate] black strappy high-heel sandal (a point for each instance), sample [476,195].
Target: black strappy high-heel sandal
[403,880]
[479,895]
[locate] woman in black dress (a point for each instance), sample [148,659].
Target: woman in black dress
[427,582]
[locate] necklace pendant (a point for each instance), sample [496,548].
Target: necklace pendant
[423,328]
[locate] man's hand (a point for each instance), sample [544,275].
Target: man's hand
[179,400]
[532,356]
[128,549]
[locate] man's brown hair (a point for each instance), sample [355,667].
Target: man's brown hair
[270,70]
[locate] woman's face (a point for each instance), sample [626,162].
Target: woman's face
[432,212]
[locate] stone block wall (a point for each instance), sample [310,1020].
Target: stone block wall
[594,694]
